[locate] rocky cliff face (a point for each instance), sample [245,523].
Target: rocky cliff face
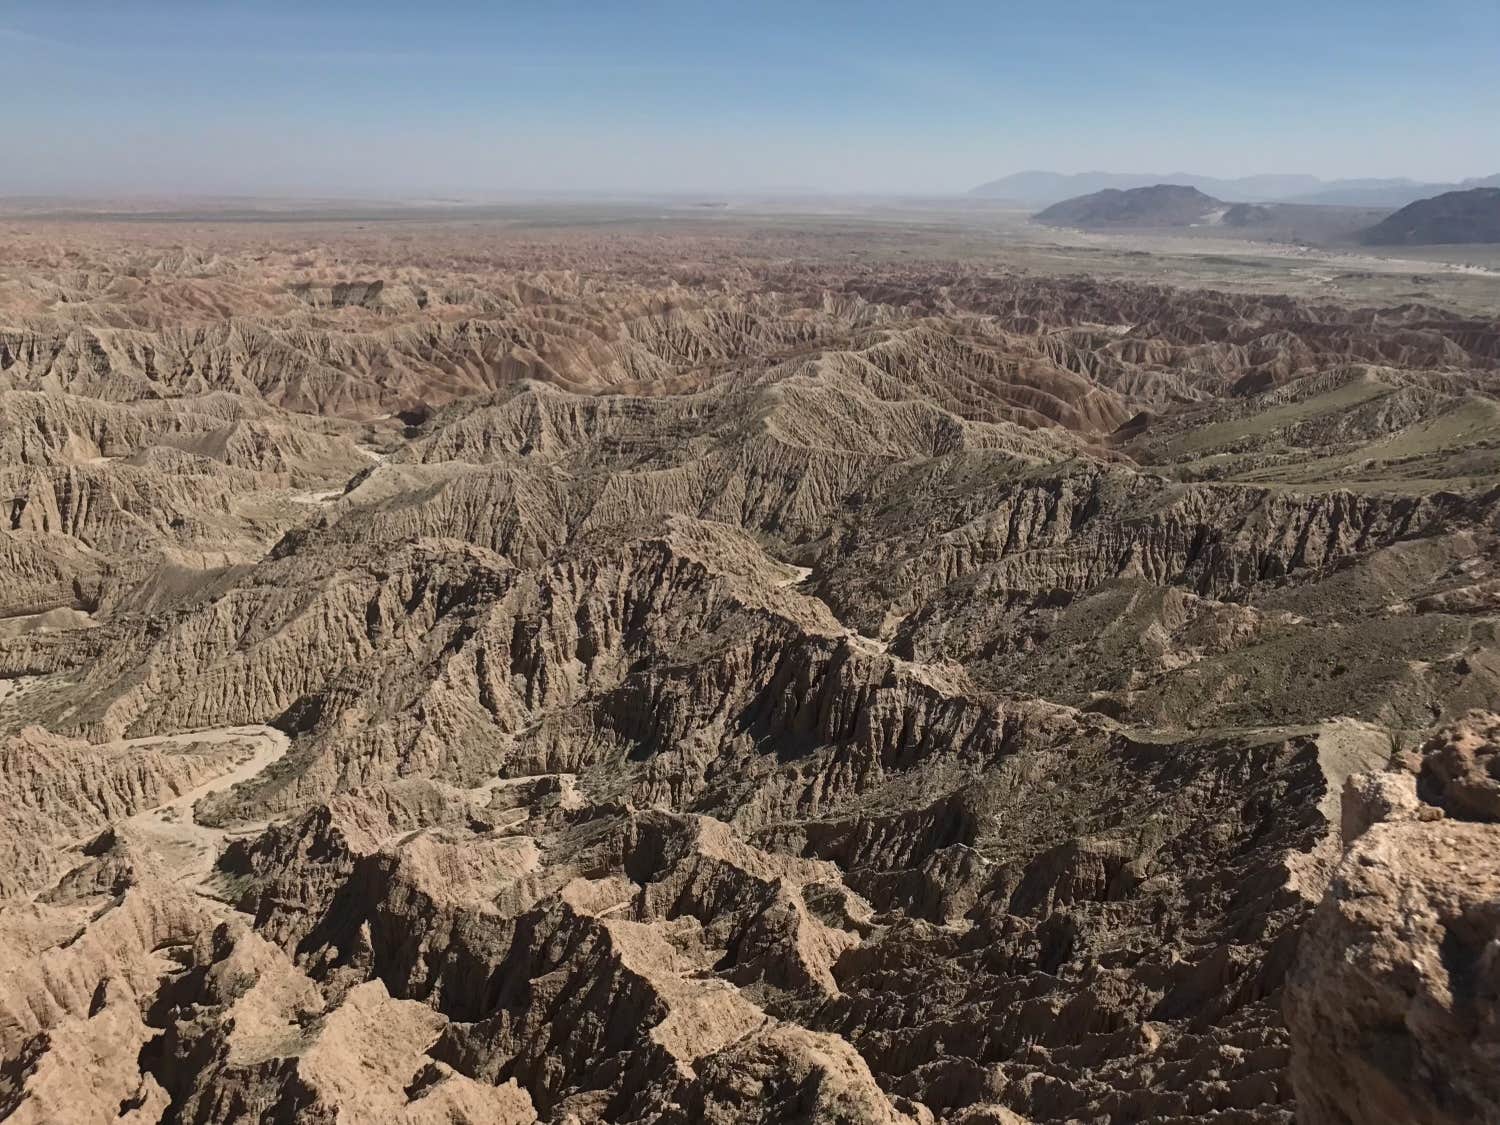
[439,692]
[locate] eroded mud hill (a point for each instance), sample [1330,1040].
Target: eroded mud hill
[476,692]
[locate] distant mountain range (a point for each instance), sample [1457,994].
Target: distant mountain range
[1163,206]
[1471,215]
[1042,188]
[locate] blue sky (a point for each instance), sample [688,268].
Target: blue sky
[924,95]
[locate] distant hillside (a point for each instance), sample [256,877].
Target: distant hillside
[1160,205]
[1248,215]
[1043,188]
[1385,193]
[1453,217]
[1051,187]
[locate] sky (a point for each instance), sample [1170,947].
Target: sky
[433,98]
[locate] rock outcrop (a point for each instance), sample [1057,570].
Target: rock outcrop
[1394,1004]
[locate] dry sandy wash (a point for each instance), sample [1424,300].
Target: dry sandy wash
[638,674]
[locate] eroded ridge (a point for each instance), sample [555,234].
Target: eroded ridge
[557,683]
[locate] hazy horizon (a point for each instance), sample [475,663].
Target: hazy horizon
[382,100]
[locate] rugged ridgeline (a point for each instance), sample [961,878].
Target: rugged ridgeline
[463,694]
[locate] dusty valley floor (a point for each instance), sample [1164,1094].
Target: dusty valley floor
[621,666]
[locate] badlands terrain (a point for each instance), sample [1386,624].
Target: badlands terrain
[683,666]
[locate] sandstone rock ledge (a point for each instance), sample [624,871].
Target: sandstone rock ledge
[1394,1003]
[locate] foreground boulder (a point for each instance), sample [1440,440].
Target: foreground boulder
[1394,1003]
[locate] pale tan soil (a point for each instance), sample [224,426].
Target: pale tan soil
[188,849]
[880,666]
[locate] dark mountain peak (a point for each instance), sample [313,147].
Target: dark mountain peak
[1155,206]
[1453,217]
